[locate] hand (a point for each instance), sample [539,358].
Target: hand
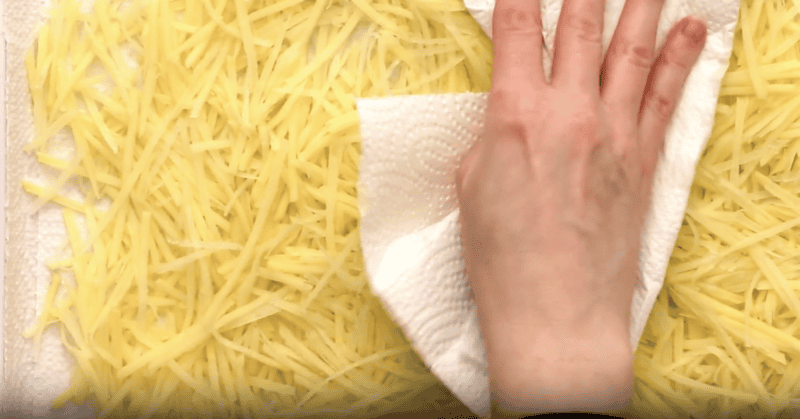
[554,198]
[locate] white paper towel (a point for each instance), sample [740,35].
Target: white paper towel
[412,146]
[30,380]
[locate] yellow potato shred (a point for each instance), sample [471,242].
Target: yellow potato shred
[212,262]
[724,337]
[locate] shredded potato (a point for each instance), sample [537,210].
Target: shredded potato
[212,259]
[213,262]
[724,336]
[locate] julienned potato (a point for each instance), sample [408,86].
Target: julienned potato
[723,336]
[226,275]
[213,263]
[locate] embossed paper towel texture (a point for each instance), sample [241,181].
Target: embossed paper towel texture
[412,146]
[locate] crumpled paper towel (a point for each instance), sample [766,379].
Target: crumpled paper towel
[411,148]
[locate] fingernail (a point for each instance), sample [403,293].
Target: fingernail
[695,30]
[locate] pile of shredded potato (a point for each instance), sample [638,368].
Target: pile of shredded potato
[724,337]
[213,261]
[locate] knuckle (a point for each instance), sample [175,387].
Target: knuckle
[504,100]
[584,132]
[675,56]
[584,27]
[661,106]
[625,144]
[513,127]
[586,123]
[511,101]
[525,21]
[512,117]
[638,56]
[517,57]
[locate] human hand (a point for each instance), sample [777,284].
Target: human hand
[554,198]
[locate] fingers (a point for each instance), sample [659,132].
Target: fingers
[665,86]
[578,44]
[517,37]
[630,56]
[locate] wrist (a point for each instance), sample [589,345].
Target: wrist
[557,371]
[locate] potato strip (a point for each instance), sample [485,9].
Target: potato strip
[216,154]
[732,282]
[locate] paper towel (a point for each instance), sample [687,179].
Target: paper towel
[412,146]
[31,380]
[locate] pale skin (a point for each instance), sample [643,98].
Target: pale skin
[553,199]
